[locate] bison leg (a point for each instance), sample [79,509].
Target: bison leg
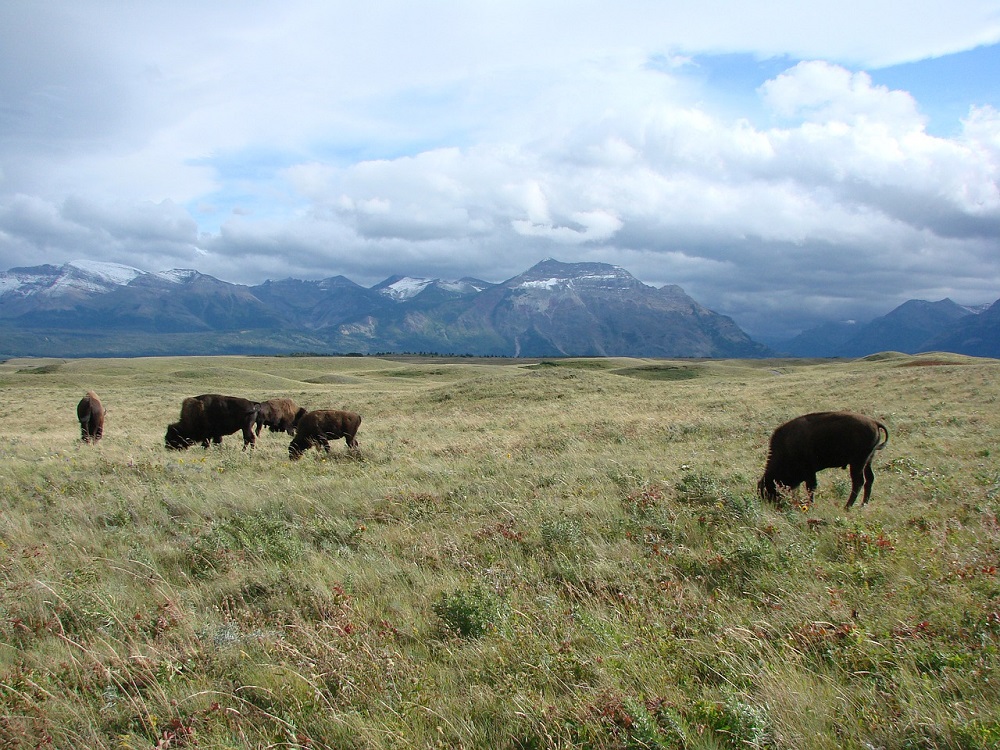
[858,478]
[869,481]
[87,428]
[811,487]
[248,437]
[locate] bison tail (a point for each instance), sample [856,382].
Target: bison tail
[882,428]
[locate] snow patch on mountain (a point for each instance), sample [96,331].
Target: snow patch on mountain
[73,278]
[568,281]
[178,275]
[463,286]
[405,288]
[110,273]
[543,283]
[9,283]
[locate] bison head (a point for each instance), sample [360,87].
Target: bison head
[296,448]
[767,488]
[174,440]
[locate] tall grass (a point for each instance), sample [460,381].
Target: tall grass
[565,553]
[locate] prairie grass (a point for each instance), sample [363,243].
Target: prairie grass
[544,554]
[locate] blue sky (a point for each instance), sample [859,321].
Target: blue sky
[796,164]
[945,86]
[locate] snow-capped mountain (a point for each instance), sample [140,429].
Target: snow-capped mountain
[574,309]
[178,275]
[81,278]
[403,288]
[553,275]
[582,309]
[400,288]
[77,277]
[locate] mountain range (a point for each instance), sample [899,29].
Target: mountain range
[915,326]
[86,308]
[552,309]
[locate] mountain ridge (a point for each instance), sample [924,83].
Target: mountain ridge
[85,308]
[551,309]
[914,326]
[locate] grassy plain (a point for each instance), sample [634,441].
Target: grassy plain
[549,554]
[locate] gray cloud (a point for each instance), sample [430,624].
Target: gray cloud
[252,142]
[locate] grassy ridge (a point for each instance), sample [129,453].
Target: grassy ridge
[524,555]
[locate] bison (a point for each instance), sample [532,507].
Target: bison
[320,427]
[90,412]
[823,440]
[209,417]
[279,415]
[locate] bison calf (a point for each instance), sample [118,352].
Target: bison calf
[805,445]
[209,417]
[90,412]
[279,415]
[320,427]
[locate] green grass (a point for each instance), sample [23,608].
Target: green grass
[553,554]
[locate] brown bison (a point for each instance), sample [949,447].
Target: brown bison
[209,417]
[90,412]
[320,427]
[279,415]
[805,445]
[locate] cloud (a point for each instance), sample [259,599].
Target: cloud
[868,146]
[851,194]
[163,222]
[584,226]
[147,235]
[258,141]
[818,91]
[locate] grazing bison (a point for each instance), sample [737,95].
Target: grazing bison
[805,445]
[280,415]
[320,427]
[209,417]
[90,412]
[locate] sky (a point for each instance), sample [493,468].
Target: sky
[785,162]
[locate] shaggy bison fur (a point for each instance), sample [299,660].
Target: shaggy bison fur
[279,415]
[320,427]
[90,412]
[823,440]
[209,417]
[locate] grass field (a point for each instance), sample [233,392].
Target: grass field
[554,554]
